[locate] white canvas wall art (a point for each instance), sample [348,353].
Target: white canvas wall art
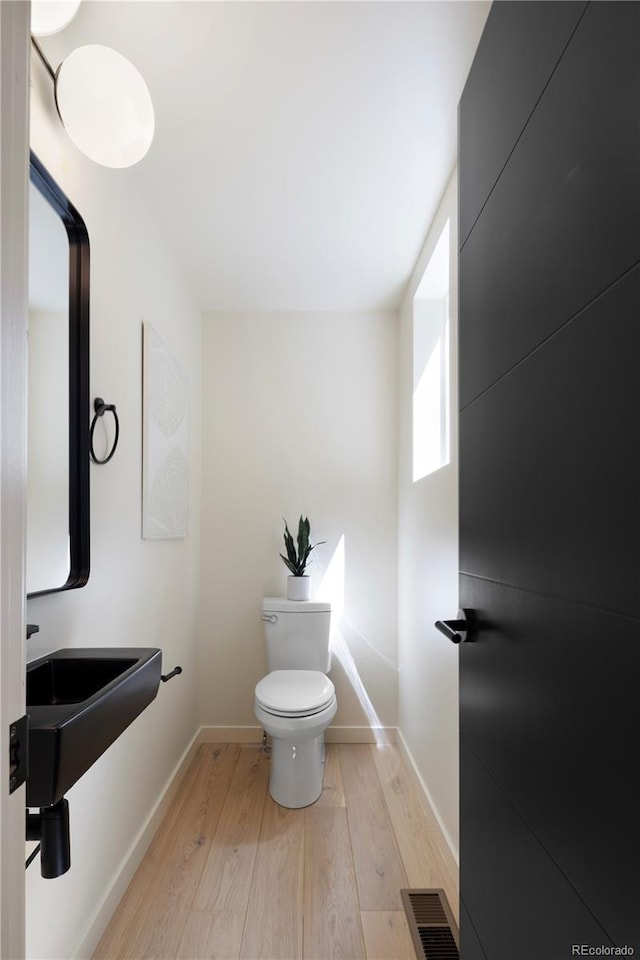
[165,442]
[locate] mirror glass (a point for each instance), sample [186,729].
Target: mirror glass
[48,551]
[58,390]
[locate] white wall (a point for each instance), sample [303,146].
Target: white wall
[299,416]
[428,565]
[140,593]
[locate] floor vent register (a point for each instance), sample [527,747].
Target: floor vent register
[433,928]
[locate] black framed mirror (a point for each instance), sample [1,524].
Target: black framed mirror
[58,390]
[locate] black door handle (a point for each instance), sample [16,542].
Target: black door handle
[455,630]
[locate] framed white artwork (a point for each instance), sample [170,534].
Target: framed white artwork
[165,441]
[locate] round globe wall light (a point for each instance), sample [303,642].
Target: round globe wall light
[50,16]
[105,106]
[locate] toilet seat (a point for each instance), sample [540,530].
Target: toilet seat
[294,693]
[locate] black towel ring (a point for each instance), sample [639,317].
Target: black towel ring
[101,408]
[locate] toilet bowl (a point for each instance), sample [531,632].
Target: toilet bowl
[295,707]
[297,738]
[296,701]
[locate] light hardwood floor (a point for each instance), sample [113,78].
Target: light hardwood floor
[232,875]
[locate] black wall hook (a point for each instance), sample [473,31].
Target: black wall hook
[101,408]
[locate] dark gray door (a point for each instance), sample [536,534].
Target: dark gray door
[550,482]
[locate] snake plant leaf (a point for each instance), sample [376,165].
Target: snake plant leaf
[291,552]
[314,545]
[290,566]
[303,539]
[288,540]
[296,561]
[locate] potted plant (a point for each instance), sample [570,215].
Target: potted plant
[298,584]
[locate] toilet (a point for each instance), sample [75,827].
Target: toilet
[296,701]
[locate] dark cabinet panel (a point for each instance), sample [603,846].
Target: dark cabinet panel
[562,221]
[548,701]
[517,53]
[550,471]
[519,914]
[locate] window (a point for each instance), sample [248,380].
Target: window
[431,414]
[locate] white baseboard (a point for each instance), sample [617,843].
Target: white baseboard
[131,861]
[445,843]
[253,734]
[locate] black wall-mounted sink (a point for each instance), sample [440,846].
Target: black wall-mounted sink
[79,701]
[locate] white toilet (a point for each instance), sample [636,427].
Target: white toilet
[296,702]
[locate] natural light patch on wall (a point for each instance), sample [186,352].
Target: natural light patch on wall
[431,413]
[331,589]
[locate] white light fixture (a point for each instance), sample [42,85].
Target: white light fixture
[50,16]
[104,104]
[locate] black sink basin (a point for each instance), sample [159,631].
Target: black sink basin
[79,701]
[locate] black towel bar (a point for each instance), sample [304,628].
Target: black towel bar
[174,673]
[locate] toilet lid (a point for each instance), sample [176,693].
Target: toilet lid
[294,693]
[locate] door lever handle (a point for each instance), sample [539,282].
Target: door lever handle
[455,630]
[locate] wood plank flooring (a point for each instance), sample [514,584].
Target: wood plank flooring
[230,875]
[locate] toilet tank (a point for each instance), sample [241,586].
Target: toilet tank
[297,634]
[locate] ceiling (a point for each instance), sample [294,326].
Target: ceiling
[301,148]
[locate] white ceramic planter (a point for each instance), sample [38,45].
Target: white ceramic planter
[298,588]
